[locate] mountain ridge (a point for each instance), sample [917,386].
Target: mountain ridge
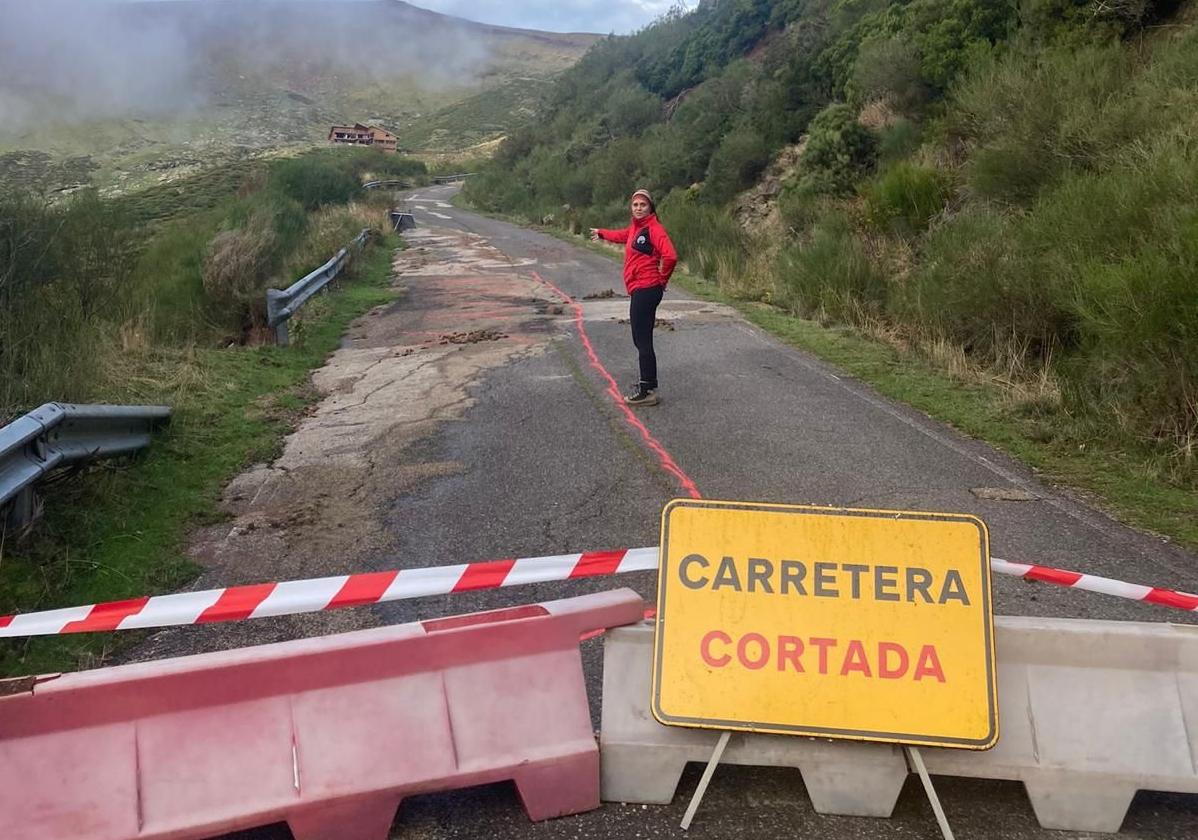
[155,91]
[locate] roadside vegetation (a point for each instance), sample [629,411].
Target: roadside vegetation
[88,283]
[1001,191]
[158,298]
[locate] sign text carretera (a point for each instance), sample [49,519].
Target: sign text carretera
[834,622]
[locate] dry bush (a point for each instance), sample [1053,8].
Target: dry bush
[329,230]
[746,278]
[237,264]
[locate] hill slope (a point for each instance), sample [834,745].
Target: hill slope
[1006,186]
[155,90]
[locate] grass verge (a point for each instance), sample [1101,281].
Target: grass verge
[1110,478]
[122,532]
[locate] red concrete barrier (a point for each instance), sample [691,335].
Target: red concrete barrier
[328,734]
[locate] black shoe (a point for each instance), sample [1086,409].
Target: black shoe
[642,395]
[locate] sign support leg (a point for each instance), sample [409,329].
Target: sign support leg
[917,761]
[716,754]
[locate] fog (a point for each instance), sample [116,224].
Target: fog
[67,60]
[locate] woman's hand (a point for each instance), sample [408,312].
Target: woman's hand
[594,234]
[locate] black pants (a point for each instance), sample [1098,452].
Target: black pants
[642,313]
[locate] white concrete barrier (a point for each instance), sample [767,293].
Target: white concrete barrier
[1089,713]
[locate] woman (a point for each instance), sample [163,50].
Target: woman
[649,260]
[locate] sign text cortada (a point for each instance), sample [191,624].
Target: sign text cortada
[862,624]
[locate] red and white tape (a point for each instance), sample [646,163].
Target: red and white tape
[1094,583]
[236,603]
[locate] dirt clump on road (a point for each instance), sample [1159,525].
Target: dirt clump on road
[658,323]
[472,337]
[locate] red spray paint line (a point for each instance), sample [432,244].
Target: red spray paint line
[613,390]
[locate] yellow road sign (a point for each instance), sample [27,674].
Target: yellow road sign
[833,622]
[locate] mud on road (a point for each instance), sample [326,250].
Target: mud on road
[402,371]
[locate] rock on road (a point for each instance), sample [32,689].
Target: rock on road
[465,422]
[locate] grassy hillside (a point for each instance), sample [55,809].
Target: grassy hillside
[1002,188]
[90,285]
[157,297]
[158,91]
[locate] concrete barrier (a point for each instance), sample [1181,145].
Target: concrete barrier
[402,220]
[327,734]
[1090,712]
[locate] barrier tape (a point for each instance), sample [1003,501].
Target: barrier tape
[236,603]
[293,597]
[1094,583]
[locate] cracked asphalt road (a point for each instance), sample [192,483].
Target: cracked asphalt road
[509,447]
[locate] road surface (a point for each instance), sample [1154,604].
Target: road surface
[466,421]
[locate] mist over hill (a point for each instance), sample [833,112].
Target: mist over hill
[146,89]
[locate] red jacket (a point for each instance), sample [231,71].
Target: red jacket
[649,256]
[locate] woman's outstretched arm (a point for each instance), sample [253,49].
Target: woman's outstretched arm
[610,235]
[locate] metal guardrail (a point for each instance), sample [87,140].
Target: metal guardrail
[281,305]
[61,434]
[375,185]
[405,185]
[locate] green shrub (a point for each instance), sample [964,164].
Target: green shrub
[94,252]
[398,166]
[906,197]
[741,157]
[616,171]
[1081,21]
[548,175]
[979,287]
[58,296]
[1138,329]
[1031,117]
[839,150]
[669,162]
[314,182]
[576,189]
[497,189]
[631,109]
[830,275]
[898,140]
[1123,244]
[889,69]
[954,34]
[1010,173]
[170,273]
[801,209]
[707,238]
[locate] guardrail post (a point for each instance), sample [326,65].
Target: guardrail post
[22,510]
[273,306]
